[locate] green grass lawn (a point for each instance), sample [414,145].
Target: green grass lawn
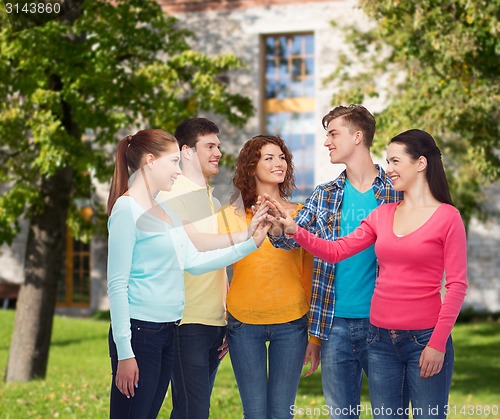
[78,377]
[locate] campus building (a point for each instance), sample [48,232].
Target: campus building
[289,47]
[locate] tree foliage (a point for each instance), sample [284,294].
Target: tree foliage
[67,88]
[118,65]
[435,64]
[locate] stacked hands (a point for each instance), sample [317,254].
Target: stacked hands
[270,216]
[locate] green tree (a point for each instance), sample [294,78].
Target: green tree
[435,63]
[106,66]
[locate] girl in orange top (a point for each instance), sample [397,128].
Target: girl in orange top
[268,298]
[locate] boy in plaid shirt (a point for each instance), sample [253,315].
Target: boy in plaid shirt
[341,293]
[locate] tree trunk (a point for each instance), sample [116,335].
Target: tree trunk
[30,345]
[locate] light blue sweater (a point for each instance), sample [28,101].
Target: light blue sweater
[146,262]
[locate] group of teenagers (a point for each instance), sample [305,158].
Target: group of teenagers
[352,278]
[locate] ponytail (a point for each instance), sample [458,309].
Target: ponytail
[119,182]
[129,154]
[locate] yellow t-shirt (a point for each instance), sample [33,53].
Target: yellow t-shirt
[270,285]
[205,295]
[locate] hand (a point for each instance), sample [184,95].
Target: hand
[127,377]
[259,211]
[224,348]
[256,206]
[431,362]
[312,352]
[261,233]
[272,210]
[282,215]
[276,228]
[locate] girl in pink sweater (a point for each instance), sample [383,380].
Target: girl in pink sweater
[418,241]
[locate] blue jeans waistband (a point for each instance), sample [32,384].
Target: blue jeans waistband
[395,333]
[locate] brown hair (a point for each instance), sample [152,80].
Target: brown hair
[244,177]
[357,118]
[129,155]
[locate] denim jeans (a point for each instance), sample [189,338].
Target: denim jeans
[267,393]
[394,356]
[195,367]
[153,346]
[343,358]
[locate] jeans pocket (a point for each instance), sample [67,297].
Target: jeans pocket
[140,326]
[422,337]
[232,323]
[373,336]
[151,337]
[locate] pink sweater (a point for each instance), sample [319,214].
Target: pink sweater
[407,291]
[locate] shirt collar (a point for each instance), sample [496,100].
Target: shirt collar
[381,178]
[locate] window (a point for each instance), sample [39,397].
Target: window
[74,286]
[288,107]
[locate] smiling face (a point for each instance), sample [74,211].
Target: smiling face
[165,169]
[402,170]
[208,154]
[271,167]
[340,140]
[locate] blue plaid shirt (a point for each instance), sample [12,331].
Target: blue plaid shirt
[321,216]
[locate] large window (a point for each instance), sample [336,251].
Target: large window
[288,106]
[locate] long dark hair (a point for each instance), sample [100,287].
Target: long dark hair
[420,143]
[129,154]
[250,154]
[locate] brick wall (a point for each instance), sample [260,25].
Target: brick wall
[185,6]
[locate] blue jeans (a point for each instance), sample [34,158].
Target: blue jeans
[344,356]
[195,367]
[153,346]
[267,393]
[393,356]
